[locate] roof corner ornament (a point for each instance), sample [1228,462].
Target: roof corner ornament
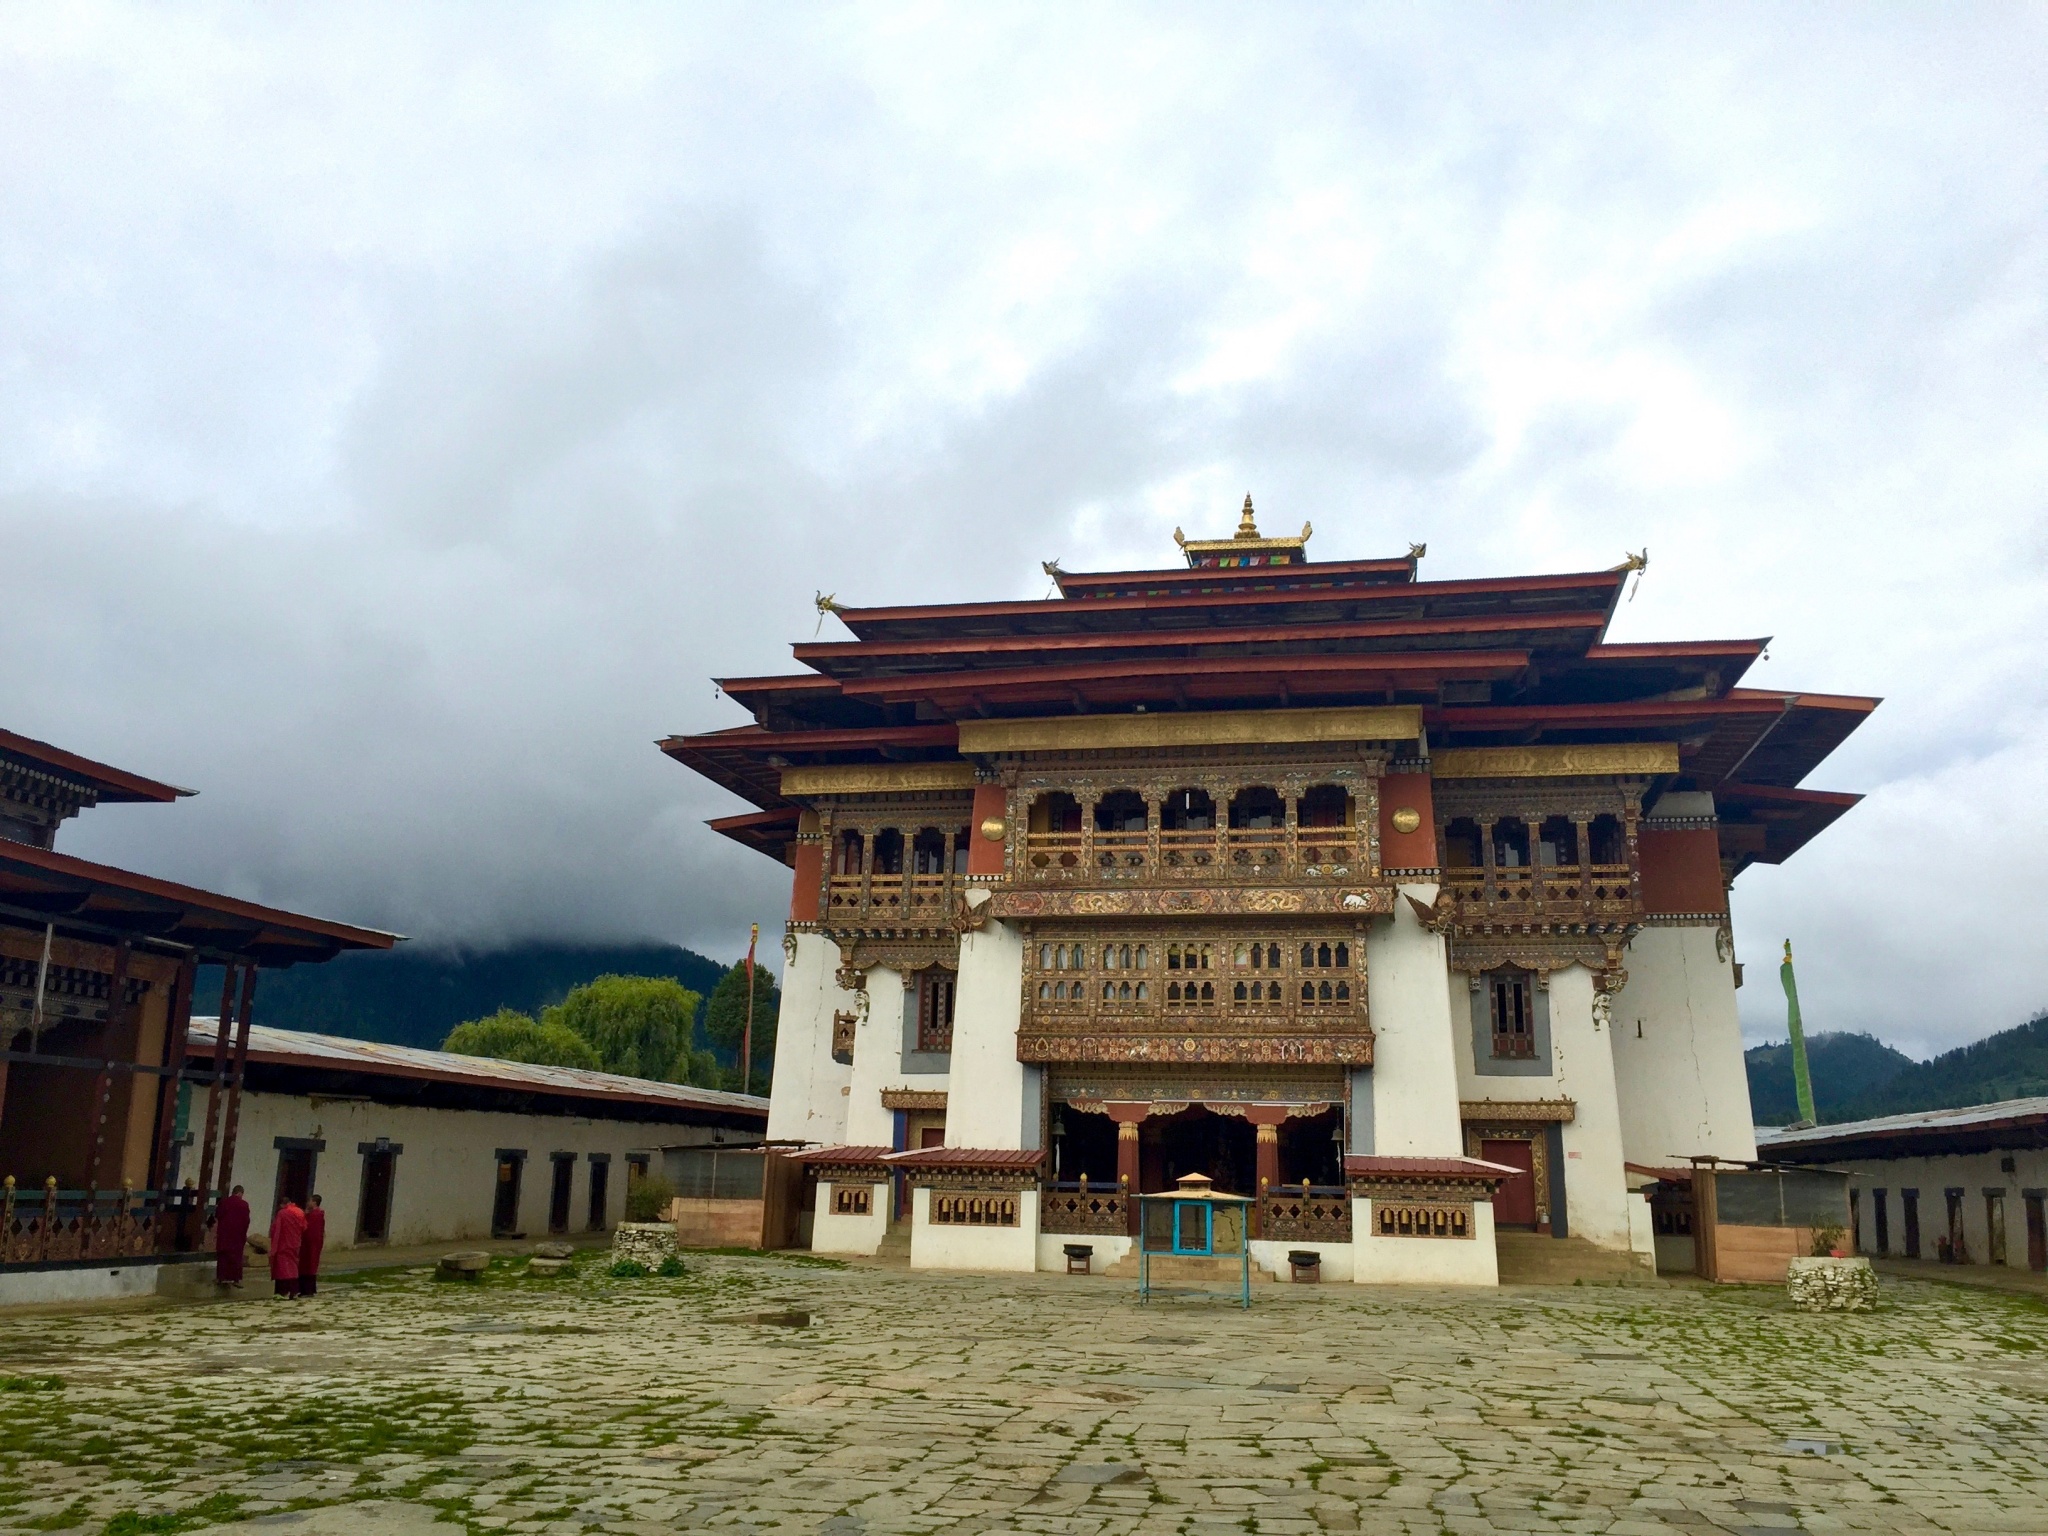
[1180,538]
[1417,551]
[1308,531]
[1246,527]
[825,605]
[1637,561]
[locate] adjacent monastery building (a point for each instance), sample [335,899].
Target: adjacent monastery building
[1397,906]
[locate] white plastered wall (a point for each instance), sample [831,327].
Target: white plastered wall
[445,1180]
[1377,1260]
[990,1103]
[1598,1202]
[1415,1069]
[1052,1256]
[1973,1173]
[1002,1249]
[878,1061]
[1677,1051]
[808,1101]
[860,1235]
[1272,1257]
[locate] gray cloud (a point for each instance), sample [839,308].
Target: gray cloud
[407,417]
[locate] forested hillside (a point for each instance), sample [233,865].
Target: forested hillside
[1856,1077]
[414,997]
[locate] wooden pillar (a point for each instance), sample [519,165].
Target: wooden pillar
[1583,830]
[1488,881]
[1127,1117]
[241,1070]
[223,1025]
[177,1025]
[103,1083]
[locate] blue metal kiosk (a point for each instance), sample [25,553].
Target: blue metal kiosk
[1193,1221]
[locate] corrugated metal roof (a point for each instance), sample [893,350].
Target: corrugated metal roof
[967,1157]
[1975,1115]
[844,1157]
[335,1052]
[1426,1167]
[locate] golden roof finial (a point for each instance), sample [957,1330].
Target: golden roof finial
[1246,528]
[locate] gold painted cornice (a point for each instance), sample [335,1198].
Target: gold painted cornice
[1519,1111]
[914,1098]
[876,778]
[1246,727]
[1587,760]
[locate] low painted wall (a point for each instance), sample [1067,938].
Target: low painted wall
[44,1287]
[445,1181]
[1337,1259]
[1377,1260]
[1005,1249]
[834,1233]
[1108,1251]
[716,1223]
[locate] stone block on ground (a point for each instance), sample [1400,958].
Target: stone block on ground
[547,1267]
[1832,1285]
[644,1242]
[465,1265]
[554,1251]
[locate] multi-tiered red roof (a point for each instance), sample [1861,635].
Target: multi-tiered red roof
[1502,661]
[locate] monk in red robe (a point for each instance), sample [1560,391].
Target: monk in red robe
[287,1232]
[310,1246]
[230,1237]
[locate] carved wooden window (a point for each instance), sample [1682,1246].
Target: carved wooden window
[851,1199]
[1512,1000]
[1511,843]
[1462,845]
[1322,955]
[1326,994]
[928,852]
[1125,991]
[1126,957]
[951,1210]
[846,857]
[842,1038]
[935,1009]
[1414,1218]
[1609,845]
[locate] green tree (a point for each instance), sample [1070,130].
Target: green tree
[512,1036]
[639,1026]
[725,1022]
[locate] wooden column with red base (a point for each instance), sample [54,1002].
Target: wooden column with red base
[1266,1119]
[1127,1117]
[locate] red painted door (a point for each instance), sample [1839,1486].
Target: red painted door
[931,1136]
[1515,1205]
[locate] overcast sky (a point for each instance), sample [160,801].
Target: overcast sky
[403,416]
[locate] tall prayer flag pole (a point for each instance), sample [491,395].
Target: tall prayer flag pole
[1802,1083]
[747,1041]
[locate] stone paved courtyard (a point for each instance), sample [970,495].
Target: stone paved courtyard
[396,1404]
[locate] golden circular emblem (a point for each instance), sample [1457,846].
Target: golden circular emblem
[993,829]
[1407,819]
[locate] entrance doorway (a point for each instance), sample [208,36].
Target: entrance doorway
[1515,1205]
[294,1176]
[1223,1148]
[505,1202]
[373,1210]
[600,1189]
[2037,1234]
[559,1191]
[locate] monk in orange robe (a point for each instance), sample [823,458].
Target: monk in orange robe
[230,1237]
[287,1232]
[310,1246]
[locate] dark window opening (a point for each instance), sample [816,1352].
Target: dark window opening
[1461,844]
[1512,999]
[1257,809]
[928,852]
[1511,843]
[888,852]
[1188,810]
[373,1209]
[1610,846]
[935,990]
[1324,805]
[1558,842]
[505,1200]
[846,860]
[600,1190]
[1122,810]
[559,1191]
[1057,811]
